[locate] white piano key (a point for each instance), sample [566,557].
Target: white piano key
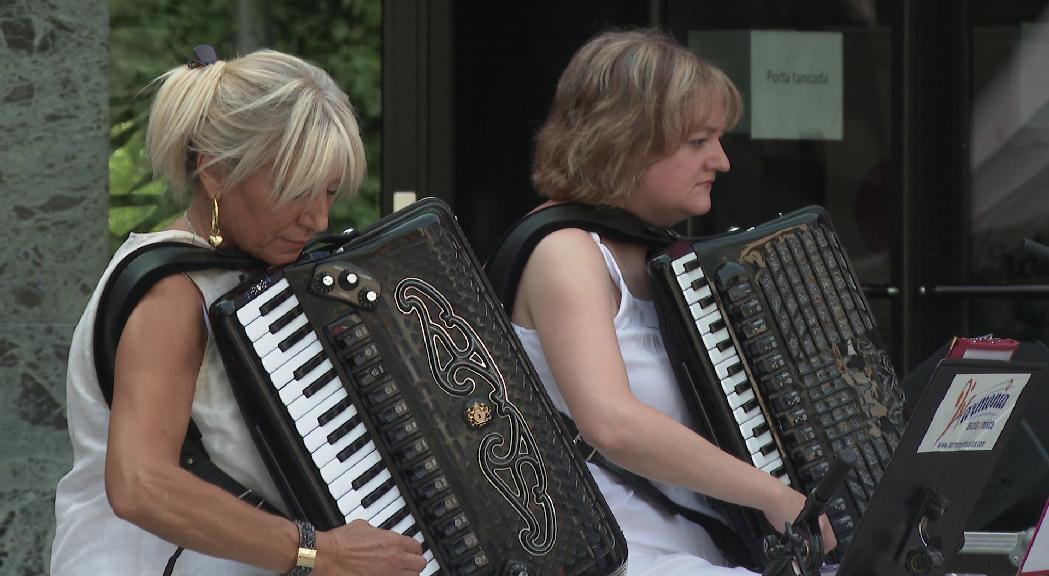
[747,427]
[350,503]
[718,356]
[295,388]
[327,452]
[332,470]
[302,405]
[722,368]
[277,357]
[405,523]
[729,384]
[678,266]
[392,508]
[685,279]
[771,463]
[712,339]
[344,483]
[431,564]
[692,298]
[755,445]
[309,421]
[744,415]
[286,372]
[260,326]
[250,311]
[319,436]
[268,342]
[703,324]
[737,400]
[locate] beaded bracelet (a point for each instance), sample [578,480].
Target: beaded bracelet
[307,555]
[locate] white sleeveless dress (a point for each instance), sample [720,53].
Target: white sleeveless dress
[89,538]
[658,543]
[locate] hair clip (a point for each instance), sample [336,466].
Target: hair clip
[203,55]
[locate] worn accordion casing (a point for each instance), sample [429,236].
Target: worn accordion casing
[393,346]
[777,351]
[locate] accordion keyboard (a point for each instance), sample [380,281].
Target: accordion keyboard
[325,417]
[782,358]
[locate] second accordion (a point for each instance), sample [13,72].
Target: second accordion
[777,351]
[382,381]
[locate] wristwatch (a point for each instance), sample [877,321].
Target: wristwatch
[307,556]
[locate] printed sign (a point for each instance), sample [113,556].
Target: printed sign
[1037,561]
[973,413]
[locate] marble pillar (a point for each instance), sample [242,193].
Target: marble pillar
[53,245]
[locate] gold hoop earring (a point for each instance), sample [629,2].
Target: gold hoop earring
[215,238]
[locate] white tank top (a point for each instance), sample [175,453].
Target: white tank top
[89,538]
[653,382]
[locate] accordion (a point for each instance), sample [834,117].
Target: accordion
[381,381]
[777,352]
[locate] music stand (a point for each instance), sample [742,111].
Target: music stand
[915,521]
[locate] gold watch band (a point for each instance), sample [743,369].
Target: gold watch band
[307,558]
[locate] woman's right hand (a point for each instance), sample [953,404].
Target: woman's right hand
[359,549]
[785,505]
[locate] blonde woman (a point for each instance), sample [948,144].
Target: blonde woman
[262,145]
[636,123]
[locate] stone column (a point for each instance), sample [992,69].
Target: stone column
[54,91]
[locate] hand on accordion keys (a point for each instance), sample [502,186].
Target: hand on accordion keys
[799,550]
[359,548]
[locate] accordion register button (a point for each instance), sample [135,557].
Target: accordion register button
[737,291]
[753,327]
[778,381]
[458,546]
[472,564]
[785,401]
[423,469]
[367,376]
[452,525]
[382,393]
[442,506]
[391,413]
[762,346]
[432,486]
[401,432]
[411,451]
[794,418]
[353,336]
[362,355]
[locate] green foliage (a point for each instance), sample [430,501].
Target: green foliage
[149,38]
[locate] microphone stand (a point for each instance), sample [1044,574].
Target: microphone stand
[799,550]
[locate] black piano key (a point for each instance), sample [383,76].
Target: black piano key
[286,319]
[395,519]
[412,530]
[334,411]
[275,301]
[344,429]
[379,491]
[294,337]
[318,383]
[308,367]
[352,448]
[368,475]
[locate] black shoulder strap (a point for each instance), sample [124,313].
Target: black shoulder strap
[511,253]
[725,538]
[129,282]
